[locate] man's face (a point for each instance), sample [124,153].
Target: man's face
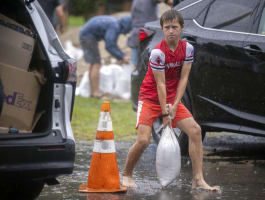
[172,30]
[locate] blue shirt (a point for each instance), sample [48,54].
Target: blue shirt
[107,28]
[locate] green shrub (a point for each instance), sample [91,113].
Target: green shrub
[85,8]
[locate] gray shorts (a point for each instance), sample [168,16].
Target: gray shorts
[91,51]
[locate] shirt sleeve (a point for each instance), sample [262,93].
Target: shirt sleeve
[157,60]
[189,53]
[111,37]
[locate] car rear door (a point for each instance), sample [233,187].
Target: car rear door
[253,79]
[218,34]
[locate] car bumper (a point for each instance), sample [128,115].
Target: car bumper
[36,162]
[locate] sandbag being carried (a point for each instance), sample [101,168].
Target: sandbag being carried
[168,157]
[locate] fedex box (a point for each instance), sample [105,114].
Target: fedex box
[21,92]
[16,43]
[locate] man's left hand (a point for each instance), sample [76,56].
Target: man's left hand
[166,121]
[172,110]
[126,60]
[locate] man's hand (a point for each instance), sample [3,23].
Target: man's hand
[125,60]
[172,110]
[166,121]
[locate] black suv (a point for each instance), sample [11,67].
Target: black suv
[31,159]
[226,89]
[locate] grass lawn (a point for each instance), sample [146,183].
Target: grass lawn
[86,115]
[76,21]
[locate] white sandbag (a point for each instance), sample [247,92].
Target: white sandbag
[123,83]
[105,79]
[108,74]
[117,71]
[83,89]
[168,157]
[73,51]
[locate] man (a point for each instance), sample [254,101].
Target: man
[165,82]
[60,25]
[107,28]
[54,6]
[142,11]
[176,2]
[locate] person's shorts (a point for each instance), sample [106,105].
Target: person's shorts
[91,51]
[148,112]
[134,56]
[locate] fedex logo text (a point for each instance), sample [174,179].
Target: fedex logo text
[17,99]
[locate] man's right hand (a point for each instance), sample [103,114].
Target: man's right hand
[125,60]
[166,121]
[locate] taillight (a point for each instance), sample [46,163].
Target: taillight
[66,71]
[144,33]
[72,68]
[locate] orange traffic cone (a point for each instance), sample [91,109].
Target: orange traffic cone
[103,175]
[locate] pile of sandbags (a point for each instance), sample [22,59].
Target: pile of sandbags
[73,51]
[114,80]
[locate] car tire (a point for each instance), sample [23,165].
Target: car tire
[29,190]
[182,136]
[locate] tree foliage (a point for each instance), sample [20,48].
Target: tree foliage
[85,8]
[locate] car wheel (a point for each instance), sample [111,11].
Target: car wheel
[23,191]
[182,136]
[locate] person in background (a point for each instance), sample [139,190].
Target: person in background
[52,6]
[165,83]
[107,28]
[142,11]
[175,2]
[64,6]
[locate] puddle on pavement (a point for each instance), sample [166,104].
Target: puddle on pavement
[239,179]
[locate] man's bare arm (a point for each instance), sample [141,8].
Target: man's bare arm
[162,94]
[184,76]
[61,16]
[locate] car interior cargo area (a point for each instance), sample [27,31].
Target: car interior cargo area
[26,86]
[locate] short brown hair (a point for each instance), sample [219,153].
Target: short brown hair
[171,15]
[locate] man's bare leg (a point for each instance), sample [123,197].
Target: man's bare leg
[193,130]
[94,80]
[135,152]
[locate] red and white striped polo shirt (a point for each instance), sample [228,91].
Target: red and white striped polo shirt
[164,59]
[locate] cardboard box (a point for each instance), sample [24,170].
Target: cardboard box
[16,42]
[21,92]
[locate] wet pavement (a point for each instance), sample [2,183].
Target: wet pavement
[235,162]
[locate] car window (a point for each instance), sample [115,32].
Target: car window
[192,10]
[202,16]
[261,29]
[232,15]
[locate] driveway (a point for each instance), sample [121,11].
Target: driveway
[235,162]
